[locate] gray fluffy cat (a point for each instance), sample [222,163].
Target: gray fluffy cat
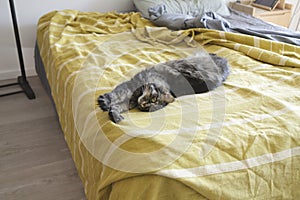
[155,87]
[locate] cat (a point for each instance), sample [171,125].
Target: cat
[155,87]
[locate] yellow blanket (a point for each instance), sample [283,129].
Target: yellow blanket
[240,141]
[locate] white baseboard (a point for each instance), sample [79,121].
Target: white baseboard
[9,66]
[13,74]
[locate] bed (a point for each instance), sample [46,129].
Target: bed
[240,141]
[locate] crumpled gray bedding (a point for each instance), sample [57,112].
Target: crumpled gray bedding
[236,22]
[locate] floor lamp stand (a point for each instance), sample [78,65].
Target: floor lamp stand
[21,80]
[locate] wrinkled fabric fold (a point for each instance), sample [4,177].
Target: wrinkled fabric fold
[237,22]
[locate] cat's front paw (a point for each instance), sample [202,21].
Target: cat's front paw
[115,116]
[104,102]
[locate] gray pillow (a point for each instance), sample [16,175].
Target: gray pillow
[187,7]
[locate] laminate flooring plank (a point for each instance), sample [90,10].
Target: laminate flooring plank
[18,107]
[35,162]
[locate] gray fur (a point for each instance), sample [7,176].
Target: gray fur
[155,87]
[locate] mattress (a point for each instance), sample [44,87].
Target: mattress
[240,141]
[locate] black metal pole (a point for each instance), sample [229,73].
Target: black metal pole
[22,81]
[17,37]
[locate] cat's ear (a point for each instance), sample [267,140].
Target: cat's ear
[168,98]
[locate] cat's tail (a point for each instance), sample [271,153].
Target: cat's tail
[222,64]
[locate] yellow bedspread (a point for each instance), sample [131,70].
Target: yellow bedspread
[240,141]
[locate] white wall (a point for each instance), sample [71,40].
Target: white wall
[28,13]
[296,17]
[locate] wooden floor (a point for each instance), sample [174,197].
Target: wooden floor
[35,162]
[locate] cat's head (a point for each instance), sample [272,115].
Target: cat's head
[154,98]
